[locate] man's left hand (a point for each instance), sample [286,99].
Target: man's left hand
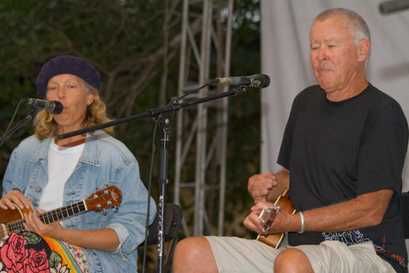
[282,222]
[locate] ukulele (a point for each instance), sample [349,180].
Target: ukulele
[282,203]
[11,220]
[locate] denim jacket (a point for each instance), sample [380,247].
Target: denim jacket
[104,161]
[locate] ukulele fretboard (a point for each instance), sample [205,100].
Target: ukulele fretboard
[51,216]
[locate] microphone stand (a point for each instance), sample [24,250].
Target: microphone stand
[164,124]
[159,113]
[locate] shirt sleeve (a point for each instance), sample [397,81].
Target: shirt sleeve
[13,178]
[383,149]
[130,219]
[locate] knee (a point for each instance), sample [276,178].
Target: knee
[292,260]
[191,248]
[193,253]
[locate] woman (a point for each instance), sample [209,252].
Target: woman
[49,173]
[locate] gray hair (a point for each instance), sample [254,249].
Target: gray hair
[359,27]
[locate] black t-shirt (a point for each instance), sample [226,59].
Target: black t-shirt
[336,151]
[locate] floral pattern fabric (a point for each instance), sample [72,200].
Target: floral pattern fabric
[28,252]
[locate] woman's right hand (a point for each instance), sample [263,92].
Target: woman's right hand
[15,199]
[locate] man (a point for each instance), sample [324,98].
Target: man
[343,151]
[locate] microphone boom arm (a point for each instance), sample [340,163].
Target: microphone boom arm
[175,105]
[159,114]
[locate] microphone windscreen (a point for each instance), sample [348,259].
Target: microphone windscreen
[58,107]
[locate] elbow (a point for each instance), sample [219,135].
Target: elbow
[373,206]
[112,244]
[116,238]
[375,218]
[114,247]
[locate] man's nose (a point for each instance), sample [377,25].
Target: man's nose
[323,53]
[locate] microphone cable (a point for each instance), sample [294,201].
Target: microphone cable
[149,188]
[6,132]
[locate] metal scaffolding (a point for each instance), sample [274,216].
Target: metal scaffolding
[200,166]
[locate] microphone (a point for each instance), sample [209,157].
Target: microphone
[254,81]
[53,107]
[393,6]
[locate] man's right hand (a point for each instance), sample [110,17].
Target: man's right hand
[15,199]
[268,186]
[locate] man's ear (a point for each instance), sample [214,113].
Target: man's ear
[363,50]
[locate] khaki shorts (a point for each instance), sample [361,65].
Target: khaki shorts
[237,255]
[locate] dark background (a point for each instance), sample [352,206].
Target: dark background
[125,40]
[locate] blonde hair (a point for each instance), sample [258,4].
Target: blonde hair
[45,126]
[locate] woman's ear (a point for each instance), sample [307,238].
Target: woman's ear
[90,99]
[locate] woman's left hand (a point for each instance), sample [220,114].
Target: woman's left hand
[34,224]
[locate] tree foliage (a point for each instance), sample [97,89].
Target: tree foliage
[135,45]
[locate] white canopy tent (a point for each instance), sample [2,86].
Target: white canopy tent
[285,57]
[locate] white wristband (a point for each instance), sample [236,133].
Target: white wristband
[301,222]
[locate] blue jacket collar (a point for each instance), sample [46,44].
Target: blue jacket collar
[89,156]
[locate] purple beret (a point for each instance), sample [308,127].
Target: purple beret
[67,64]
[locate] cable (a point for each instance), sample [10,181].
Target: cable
[6,132]
[149,186]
